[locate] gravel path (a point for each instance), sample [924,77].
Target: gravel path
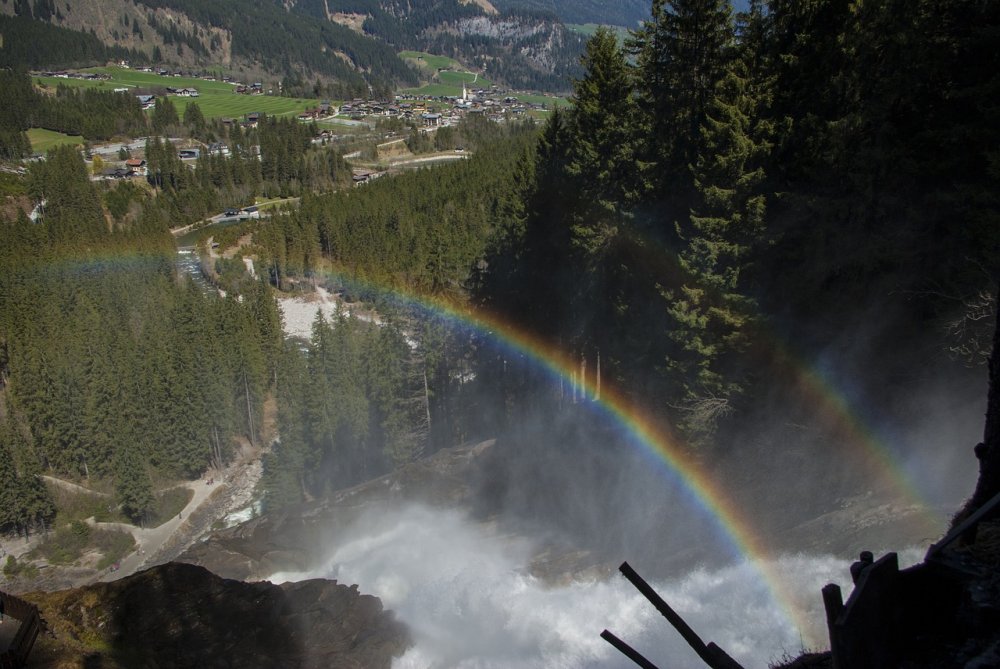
[228,491]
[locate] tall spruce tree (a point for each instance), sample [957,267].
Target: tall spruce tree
[9,501]
[682,53]
[35,506]
[712,308]
[133,489]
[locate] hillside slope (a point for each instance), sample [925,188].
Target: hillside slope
[352,43]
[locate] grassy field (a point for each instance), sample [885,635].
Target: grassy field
[430,60]
[467,78]
[549,101]
[217,98]
[43,140]
[234,106]
[435,90]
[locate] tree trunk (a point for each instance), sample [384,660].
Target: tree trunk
[246,388]
[597,382]
[427,403]
[988,451]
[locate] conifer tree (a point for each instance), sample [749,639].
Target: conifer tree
[133,489]
[712,309]
[164,115]
[682,53]
[9,501]
[194,119]
[35,506]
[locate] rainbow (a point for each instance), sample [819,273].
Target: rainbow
[875,453]
[651,435]
[658,441]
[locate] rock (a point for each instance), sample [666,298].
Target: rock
[182,615]
[297,538]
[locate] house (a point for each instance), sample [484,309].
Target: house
[146,101]
[360,176]
[136,167]
[185,154]
[252,211]
[114,173]
[252,119]
[431,120]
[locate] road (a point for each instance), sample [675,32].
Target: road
[150,540]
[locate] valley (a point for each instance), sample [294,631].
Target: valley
[381,333]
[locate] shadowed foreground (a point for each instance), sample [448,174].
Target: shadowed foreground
[180,615]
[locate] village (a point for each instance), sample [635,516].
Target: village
[345,125]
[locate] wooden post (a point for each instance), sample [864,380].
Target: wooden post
[627,650]
[710,654]
[833,602]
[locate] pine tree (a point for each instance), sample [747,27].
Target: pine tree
[682,53]
[35,505]
[712,309]
[601,157]
[194,119]
[9,501]
[164,115]
[133,489]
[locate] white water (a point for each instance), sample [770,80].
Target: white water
[470,603]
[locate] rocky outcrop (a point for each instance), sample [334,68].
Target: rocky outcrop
[181,615]
[297,538]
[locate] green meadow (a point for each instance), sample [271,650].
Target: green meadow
[435,90]
[233,105]
[459,78]
[430,60]
[550,102]
[42,140]
[216,98]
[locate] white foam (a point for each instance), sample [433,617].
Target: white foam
[470,603]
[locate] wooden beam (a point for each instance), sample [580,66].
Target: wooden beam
[710,654]
[627,650]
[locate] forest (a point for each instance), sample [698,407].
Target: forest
[305,48]
[727,192]
[104,355]
[61,47]
[721,182]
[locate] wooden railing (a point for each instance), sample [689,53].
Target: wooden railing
[16,656]
[888,605]
[863,632]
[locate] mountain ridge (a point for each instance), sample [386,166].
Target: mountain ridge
[351,42]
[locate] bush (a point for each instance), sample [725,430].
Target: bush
[80,506]
[168,504]
[68,543]
[113,545]
[12,568]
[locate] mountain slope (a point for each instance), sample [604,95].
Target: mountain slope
[350,42]
[628,13]
[609,12]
